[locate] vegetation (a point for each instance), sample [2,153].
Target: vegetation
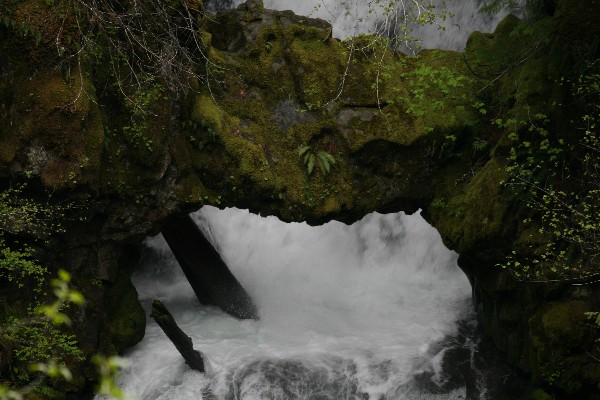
[310,157]
[397,20]
[365,109]
[40,341]
[559,176]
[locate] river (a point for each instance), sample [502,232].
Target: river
[375,310]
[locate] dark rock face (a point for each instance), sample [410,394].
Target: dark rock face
[283,83]
[466,360]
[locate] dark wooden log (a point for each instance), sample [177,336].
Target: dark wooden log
[209,276]
[182,342]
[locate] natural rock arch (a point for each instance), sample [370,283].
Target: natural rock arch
[236,144]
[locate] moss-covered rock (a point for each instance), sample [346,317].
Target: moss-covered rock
[405,133]
[54,128]
[539,394]
[126,318]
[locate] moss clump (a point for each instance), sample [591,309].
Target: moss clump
[280,61]
[8,149]
[126,320]
[189,189]
[61,124]
[563,323]
[557,329]
[477,212]
[539,394]
[207,113]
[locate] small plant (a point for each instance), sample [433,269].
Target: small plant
[140,108]
[479,144]
[39,340]
[311,156]
[43,344]
[96,282]
[438,203]
[194,127]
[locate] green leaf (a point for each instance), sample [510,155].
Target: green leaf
[329,157]
[323,162]
[76,297]
[311,163]
[321,166]
[60,319]
[306,157]
[303,150]
[64,275]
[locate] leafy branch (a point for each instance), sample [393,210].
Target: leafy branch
[559,177]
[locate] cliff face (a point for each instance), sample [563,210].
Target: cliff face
[377,131]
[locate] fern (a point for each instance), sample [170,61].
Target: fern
[311,157]
[479,144]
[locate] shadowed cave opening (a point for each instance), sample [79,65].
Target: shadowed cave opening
[375,310]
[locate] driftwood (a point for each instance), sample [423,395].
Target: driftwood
[209,276]
[182,342]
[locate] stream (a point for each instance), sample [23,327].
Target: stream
[365,311]
[375,310]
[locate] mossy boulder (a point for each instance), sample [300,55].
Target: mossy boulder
[290,85]
[53,129]
[476,215]
[126,319]
[557,329]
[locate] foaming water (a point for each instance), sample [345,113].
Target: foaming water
[354,17]
[345,312]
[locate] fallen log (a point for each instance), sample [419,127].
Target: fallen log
[209,276]
[182,342]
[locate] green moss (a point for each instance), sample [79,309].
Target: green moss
[489,54]
[539,394]
[300,63]
[562,323]
[556,330]
[60,118]
[8,149]
[205,110]
[477,212]
[126,317]
[189,189]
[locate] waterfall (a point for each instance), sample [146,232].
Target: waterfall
[353,17]
[376,310]
[345,311]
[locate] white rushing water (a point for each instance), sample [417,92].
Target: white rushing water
[344,310]
[347,312]
[353,17]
